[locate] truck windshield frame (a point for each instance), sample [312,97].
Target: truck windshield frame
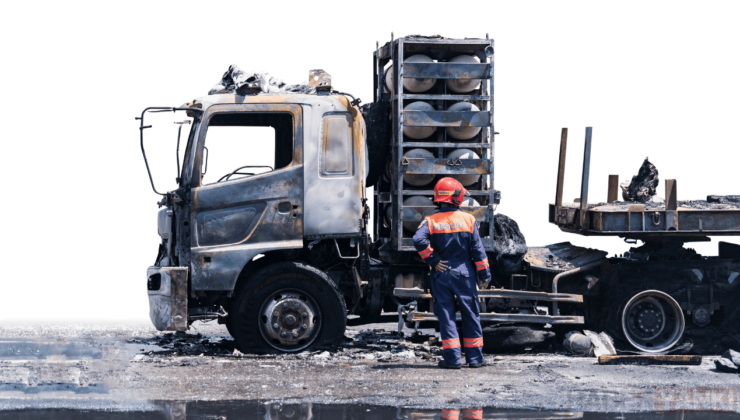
[197,113]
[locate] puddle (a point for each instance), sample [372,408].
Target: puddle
[36,349]
[132,349]
[225,410]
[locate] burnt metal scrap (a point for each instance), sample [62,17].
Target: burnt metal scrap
[729,362]
[509,244]
[643,185]
[238,81]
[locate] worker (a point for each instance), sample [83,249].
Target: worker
[449,242]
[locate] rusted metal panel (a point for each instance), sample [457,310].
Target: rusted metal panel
[168,297]
[446,71]
[333,201]
[682,360]
[446,166]
[497,293]
[446,118]
[561,257]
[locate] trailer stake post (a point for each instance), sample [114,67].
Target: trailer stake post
[584,179]
[613,194]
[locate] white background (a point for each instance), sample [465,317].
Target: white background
[657,79]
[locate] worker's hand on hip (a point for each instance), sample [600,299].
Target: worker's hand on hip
[442,266]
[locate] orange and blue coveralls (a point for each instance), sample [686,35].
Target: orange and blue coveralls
[452,235]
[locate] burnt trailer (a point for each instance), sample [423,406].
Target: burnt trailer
[280,250]
[655,295]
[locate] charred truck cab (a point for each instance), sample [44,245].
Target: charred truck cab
[248,246]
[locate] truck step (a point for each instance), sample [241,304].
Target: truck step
[494,317]
[417,293]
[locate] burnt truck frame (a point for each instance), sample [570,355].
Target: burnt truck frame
[284,259]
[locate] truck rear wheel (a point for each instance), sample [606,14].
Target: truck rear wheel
[286,308]
[652,321]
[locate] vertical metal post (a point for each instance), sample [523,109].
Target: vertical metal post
[491,153]
[671,194]
[399,106]
[584,179]
[671,204]
[613,194]
[561,168]
[378,93]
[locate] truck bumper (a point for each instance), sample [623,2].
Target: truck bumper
[168,297]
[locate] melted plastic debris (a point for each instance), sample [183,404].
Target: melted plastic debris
[378,129]
[510,245]
[240,82]
[500,338]
[643,185]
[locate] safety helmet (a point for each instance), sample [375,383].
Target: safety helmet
[449,190]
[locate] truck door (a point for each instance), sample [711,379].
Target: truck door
[247,189]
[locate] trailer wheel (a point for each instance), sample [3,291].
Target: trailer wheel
[288,307]
[652,321]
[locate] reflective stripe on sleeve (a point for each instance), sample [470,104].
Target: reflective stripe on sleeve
[426,252]
[481,265]
[452,343]
[473,342]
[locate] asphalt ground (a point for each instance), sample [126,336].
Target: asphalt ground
[129,366]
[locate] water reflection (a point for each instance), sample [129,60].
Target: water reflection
[230,410]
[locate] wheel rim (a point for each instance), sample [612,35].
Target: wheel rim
[652,321]
[290,320]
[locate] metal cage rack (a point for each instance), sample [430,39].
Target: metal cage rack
[392,56]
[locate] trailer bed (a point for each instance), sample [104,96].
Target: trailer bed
[691,219]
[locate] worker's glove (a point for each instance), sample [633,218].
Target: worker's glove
[483,283]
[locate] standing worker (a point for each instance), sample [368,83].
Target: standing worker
[449,242]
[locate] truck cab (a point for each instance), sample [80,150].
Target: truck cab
[221,226]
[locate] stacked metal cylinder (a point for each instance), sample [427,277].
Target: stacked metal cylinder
[442,126]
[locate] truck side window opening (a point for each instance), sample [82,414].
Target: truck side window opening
[336,151]
[235,140]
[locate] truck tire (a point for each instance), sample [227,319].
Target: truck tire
[288,307]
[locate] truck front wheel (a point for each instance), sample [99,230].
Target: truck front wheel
[288,307]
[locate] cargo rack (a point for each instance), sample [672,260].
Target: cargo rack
[394,191]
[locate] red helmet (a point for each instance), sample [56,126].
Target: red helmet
[449,190]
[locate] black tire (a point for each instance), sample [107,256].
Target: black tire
[288,283]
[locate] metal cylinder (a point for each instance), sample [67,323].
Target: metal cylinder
[418,180]
[415,201]
[464,132]
[412,85]
[418,132]
[464,85]
[466,180]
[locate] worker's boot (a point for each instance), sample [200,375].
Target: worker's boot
[445,365]
[478,365]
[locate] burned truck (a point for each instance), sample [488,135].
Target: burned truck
[281,251]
